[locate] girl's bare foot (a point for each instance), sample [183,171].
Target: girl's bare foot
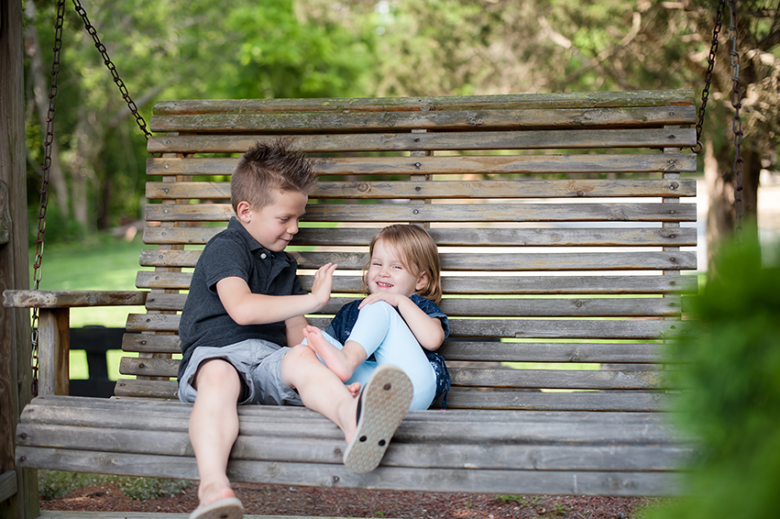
[330,355]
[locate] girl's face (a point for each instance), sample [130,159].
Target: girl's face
[386,272]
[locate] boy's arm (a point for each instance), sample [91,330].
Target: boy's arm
[245,308]
[426,329]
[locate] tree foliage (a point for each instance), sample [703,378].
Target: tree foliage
[170,49]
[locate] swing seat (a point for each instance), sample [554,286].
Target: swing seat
[559,221]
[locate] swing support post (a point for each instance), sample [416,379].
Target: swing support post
[18,487]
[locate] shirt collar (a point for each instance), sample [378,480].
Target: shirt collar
[253,244]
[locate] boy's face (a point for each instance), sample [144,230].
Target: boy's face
[274,225]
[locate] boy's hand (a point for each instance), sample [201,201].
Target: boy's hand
[323,282]
[388,297]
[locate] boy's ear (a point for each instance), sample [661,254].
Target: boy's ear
[422,282]
[244,211]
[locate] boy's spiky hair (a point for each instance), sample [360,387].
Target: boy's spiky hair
[266,169]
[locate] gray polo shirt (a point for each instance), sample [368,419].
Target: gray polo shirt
[233,252]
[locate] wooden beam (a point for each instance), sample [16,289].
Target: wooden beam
[418,104]
[54,351]
[399,142]
[15,372]
[448,165]
[365,122]
[8,486]
[71,298]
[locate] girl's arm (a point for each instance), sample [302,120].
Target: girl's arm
[427,330]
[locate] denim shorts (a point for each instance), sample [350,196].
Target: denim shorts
[259,366]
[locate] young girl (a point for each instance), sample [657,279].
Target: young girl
[396,321]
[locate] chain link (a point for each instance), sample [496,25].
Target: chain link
[705,93]
[44,192]
[111,68]
[736,125]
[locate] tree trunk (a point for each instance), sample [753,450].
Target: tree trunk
[40,94]
[721,183]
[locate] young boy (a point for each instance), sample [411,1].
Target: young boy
[245,304]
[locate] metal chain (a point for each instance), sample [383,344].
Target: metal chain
[110,65]
[44,192]
[47,145]
[705,94]
[736,102]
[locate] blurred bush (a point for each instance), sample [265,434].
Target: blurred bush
[733,406]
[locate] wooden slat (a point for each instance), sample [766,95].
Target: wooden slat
[325,475]
[567,329]
[166,280]
[632,401]
[502,457]
[8,485]
[560,379]
[553,352]
[517,285]
[164,389]
[541,237]
[463,120]
[581,307]
[677,260]
[426,104]
[449,165]
[507,328]
[419,426]
[449,189]
[148,367]
[520,212]
[523,140]
[149,343]
[70,298]
[483,377]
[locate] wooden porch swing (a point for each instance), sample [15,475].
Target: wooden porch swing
[576,269]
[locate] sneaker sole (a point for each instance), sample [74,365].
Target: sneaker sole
[385,400]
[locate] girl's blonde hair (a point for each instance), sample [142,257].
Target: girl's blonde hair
[418,252]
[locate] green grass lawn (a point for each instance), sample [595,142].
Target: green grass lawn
[104,263]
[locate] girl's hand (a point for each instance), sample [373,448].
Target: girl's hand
[323,282]
[388,297]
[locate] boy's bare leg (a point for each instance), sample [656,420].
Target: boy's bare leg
[214,427]
[320,389]
[342,362]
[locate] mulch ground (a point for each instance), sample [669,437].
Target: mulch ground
[325,502]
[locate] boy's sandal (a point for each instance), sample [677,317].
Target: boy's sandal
[225,508]
[382,405]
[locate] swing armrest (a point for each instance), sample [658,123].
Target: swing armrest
[71,298]
[54,327]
